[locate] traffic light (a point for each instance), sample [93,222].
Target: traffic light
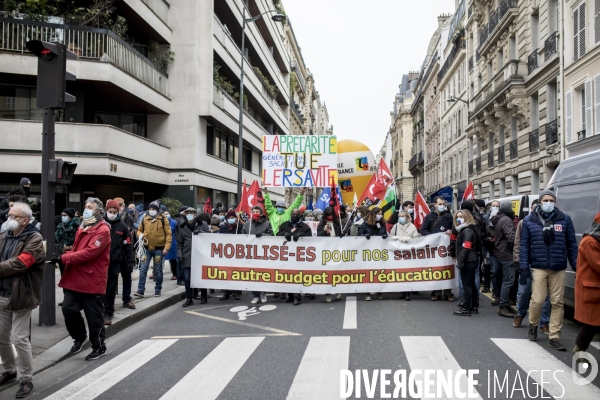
[60,171]
[52,73]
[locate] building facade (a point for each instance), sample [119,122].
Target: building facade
[157,108]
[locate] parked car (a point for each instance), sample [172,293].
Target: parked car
[576,183]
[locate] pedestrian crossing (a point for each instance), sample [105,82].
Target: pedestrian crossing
[318,375]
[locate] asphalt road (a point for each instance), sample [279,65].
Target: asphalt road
[286,352]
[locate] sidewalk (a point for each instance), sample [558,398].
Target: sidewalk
[50,345]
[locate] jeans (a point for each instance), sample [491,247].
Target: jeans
[461,291]
[508,278]
[467,277]
[523,298]
[19,324]
[158,257]
[92,306]
[496,276]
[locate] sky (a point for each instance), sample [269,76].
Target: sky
[357,51]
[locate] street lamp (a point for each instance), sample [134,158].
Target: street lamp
[452,99]
[277,18]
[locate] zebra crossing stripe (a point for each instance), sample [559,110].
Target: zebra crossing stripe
[350,313]
[532,358]
[112,372]
[208,379]
[431,353]
[596,345]
[318,376]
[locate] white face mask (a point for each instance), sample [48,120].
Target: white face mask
[111,216]
[358,215]
[153,213]
[378,217]
[87,213]
[12,224]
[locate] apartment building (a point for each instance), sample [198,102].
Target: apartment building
[145,126]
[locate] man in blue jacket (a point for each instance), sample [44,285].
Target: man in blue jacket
[547,242]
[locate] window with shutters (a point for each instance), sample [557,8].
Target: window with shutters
[579,48]
[597,103]
[551,102]
[569,122]
[588,109]
[597,22]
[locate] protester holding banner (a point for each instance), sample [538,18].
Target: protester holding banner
[467,259]
[279,214]
[404,231]
[185,231]
[358,220]
[232,227]
[292,230]
[330,224]
[374,225]
[259,226]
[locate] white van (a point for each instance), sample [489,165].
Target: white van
[521,204]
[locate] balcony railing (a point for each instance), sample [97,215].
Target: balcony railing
[412,162]
[471,167]
[301,80]
[88,43]
[514,149]
[552,132]
[478,164]
[501,157]
[471,63]
[532,61]
[296,109]
[460,45]
[491,158]
[581,135]
[534,140]
[495,17]
[477,56]
[432,63]
[550,46]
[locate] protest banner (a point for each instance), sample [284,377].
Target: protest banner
[299,161]
[321,265]
[313,226]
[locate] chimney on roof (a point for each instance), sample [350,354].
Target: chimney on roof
[442,18]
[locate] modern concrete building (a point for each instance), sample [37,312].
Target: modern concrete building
[144,127]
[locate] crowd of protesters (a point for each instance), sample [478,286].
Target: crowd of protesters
[520,259]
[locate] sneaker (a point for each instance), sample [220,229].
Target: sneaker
[203,300]
[338,296]
[379,296]
[263,297]
[25,390]
[517,321]
[368,297]
[485,290]
[461,302]
[77,346]
[532,333]
[475,310]
[495,302]
[463,312]
[139,293]
[505,312]
[108,320]
[545,328]
[254,300]
[328,298]
[96,354]
[557,345]
[512,310]
[296,301]
[157,293]
[129,305]
[8,377]
[188,302]
[226,296]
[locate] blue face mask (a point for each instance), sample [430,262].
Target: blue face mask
[189,217]
[222,217]
[547,207]
[87,213]
[65,219]
[280,210]
[231,221]
[402,220]
[441,208]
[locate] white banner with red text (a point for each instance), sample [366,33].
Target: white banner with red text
[321,265]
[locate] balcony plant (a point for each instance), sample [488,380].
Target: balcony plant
[161,57]
[228,87]
[273,89]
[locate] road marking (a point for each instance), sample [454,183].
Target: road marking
[266,328]
[216,336]
[318,376]
[350,313]
[532,358]
[244,312]
[112,372]
[208,379]
[431,353]
[596,345]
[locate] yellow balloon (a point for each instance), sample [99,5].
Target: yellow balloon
[356,166]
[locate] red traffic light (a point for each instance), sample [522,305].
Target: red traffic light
[44,50]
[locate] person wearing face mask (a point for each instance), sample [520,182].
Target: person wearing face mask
[120,250]
[279,214]
[258,225]
[489,242]
[155,232]
[504,229]
[330,227]
[358,220]
[171,256]
[22,258]
[22,191]
[374,225]
[84,279]
[404,231]
[186,229]
[292,230]
[548,243]
[467,259]
[232,227]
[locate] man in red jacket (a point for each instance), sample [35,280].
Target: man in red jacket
[84,280]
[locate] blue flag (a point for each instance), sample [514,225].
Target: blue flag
[323,201]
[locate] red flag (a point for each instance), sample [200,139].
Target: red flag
[378,184]
[469,193]
[421,210]
[208,206]
[250,198]
[242,206]
[334,201]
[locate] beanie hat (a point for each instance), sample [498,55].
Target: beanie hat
[182,209]
[70,212]
[230,214]
[24,181]
[139,208]
[154,205]
[215,220]
[317,211]
[547,192]
[466,205]
[280,203]
[112,204]
[163,208]
[480,203]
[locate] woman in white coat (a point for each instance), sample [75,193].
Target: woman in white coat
[404,231]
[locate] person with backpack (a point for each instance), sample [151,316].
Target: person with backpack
[467,259]
[155,233]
